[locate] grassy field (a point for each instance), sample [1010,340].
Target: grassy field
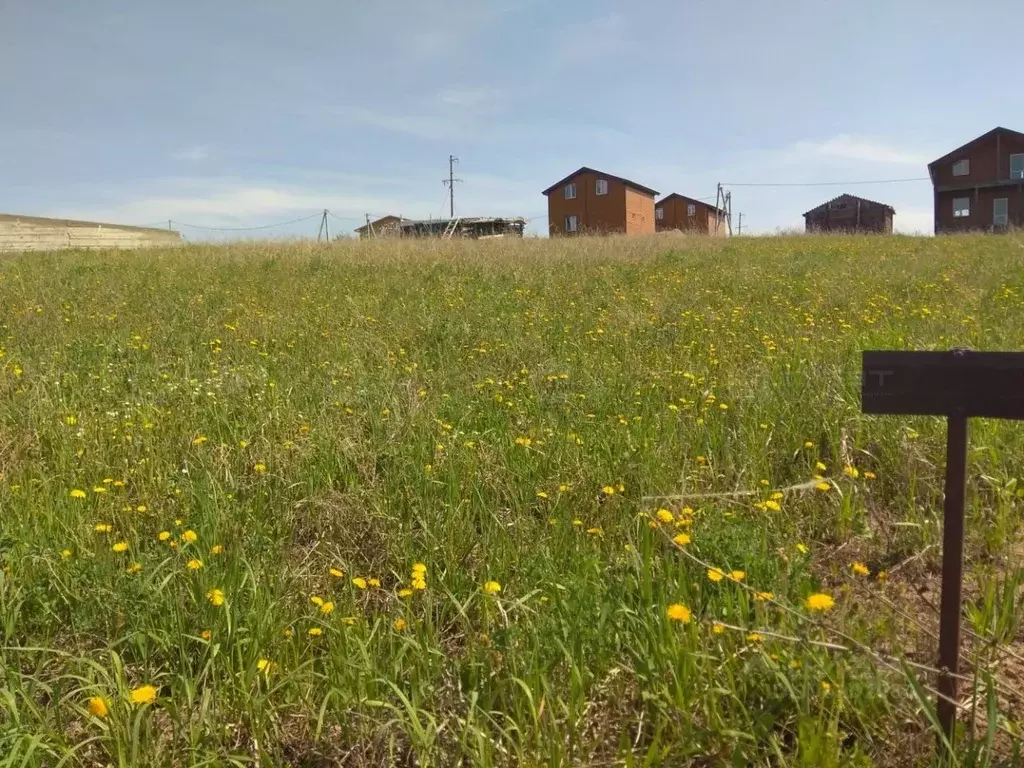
[401,504]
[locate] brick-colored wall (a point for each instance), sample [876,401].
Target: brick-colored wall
[982,204]
[990,162]
[596,213]
[639,212]
[34,233]
[704,220]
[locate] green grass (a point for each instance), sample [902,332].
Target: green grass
[497,412]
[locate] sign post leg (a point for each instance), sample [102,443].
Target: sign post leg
[952,570]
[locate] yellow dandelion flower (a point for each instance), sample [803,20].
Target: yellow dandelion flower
[194,565]
[65,554]
[121,546]
[215,596]
[405,592]
[826,686]
[199,440]
[399,625]
[97,706]
[419,568]
[820,466]
[314,631]
[851,472]
[288,632]
[206,634]
[717,627]
[819,601]
[681,539]
[336,573]
[259,468]
[189,536]
[860,569]
[755,637]
[99,489]
[737,575]
[772,505]
[359,582]
[823,486]
[542,494]
[144,694]
[802,549]
[265,665]
[216,549]
[326,608]
[419,584]
[316,600]
[678,612]
[608,490]
[808,444]
[869,475]
[103,528]
[140,508]
[764,596]
[716,574]
[373,582]
[133,568]
[164,535]
[795,664]
[77,493]
[492,587]
[595,531]
[665,516]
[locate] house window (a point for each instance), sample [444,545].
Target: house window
[691,209]
[571,223]
[962,167]
[570,190]
[961,207]
[659,213]
[602,187]
[1000,211]
[1017,166]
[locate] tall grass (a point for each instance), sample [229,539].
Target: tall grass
[387,503]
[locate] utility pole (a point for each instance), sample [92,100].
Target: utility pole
[450,183]
[723,201]
[324,229]
[168,224]
[739,229]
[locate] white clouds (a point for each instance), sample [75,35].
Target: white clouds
[847,147]
[192,154]
[469,97]
[914,221]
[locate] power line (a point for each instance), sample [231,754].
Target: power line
[450,183]
[247,229]
[822,183]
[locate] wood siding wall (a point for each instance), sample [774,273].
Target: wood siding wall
[32,233]
[857,216]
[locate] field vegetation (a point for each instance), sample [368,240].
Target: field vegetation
[593,502]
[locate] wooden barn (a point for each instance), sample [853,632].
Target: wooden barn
[848,213]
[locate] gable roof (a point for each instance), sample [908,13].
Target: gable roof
[972,142]
[827,203]
[690,200]
[383,220]
[586,169]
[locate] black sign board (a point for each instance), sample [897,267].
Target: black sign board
[989,384]
[957,384]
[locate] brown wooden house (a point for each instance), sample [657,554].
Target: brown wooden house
[589,201]
[980,186]
[385,226]
[687,214]
[848,213]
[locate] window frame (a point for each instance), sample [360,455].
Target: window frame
[1020,170]
[965,162]
[570,187]
[575,223]
[1006,211]
[961,212]
[659,214]
[597,187]
[691,209]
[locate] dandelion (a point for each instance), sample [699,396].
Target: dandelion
[288,632]
[140,508]
[199,440]
[665,516]
[823,486]
[326,608]
[717,627]
[316,600]
[99,489]
[608,490]
[405,593]
[259,468]
[851,472]
[819,601]
[133,569]
[492,587]
[216,549]
[716,574]
[65,554]
[336,573]
[681,539]
[772,505]
[121,546]
[678,612]
[194,565]
[802,549]
[577,522]
[215,596]
[795,664]
[869,475]
[189,536]
[808,444]
[419,568]
[77,493]
[373,582]
[755,637]
[314,631]
[737,575]
[206,634]
[97,706]
[265,665]
[399,625]
[860,569]
[103,528]
[595,531]
[826,686]
[419,584]
[359,582]
[164,535]
[764,596]
[541,495]
[144,694]
[820,466]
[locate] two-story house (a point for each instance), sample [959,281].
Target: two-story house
[589,201]
[980,186]
[687,214]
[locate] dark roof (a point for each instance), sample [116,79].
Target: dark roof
[690,200]
[827,203]
[990,134]
[602,174]
[375,222]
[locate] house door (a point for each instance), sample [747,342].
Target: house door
[1000,212]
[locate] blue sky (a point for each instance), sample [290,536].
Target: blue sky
[249,113]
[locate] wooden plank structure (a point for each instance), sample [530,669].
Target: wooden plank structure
[37,233]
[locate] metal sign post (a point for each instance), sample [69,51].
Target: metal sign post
[958,385]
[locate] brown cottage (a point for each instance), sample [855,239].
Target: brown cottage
[848,213]
[980,186]
[385,226]
[689,215]
[588,201]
